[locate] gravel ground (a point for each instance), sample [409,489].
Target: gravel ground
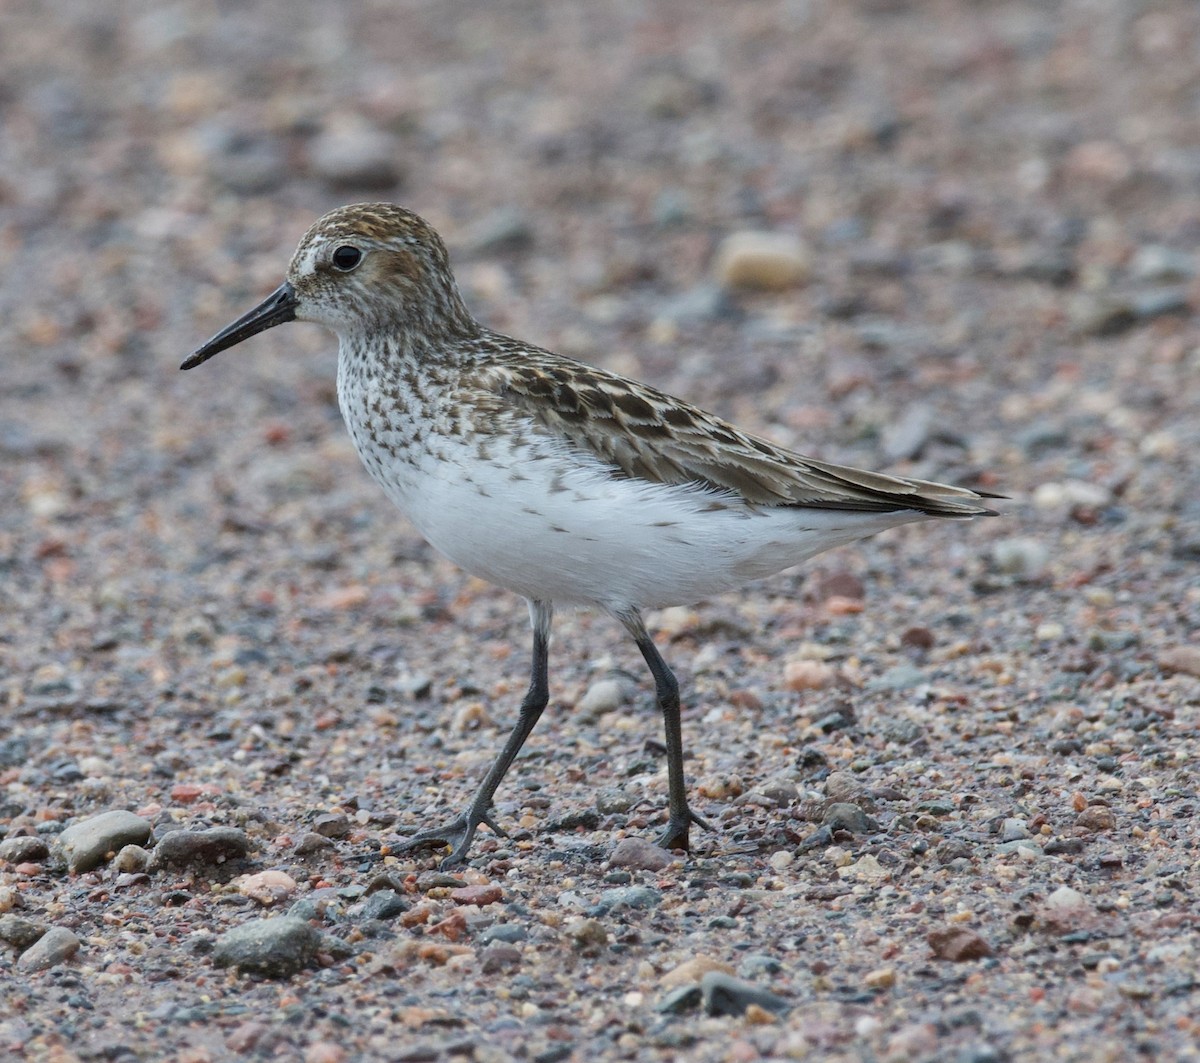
[951,771]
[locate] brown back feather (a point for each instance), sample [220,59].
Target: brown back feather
[645,434]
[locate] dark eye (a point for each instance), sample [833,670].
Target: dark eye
[346,258]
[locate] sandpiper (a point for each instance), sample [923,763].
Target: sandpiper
[555,479]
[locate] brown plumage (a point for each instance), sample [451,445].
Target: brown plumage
[557,480]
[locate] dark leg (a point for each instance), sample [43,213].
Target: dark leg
[461,831]
[667,690]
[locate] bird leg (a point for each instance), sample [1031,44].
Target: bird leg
[460,832]
[666,688]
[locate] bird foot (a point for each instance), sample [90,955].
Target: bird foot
[675,836]
[458,834]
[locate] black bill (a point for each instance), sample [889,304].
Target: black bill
[275,309]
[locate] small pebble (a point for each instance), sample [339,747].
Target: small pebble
[499,957]
[880,978]
[384,904]
[18,932]
[1013,829]
[52,948]
[1023,557]
[274,948]
[1096,819]
[325,1052]
[720,787]
[914,1042]
[355,156]
[201,847]
[586,933]
[1184,659]
[310,842]
[630,897]
[509,933]
[638,853]
[956,943]
[88,843]
[132,859]
[613,800]
[842,815]
[764,261]
[24,849]
[691,971]
[604,695]
[808,675]
[332,825]
[478,895]
[267,887]
[781,859]
[843,786]
[1065,898]
[685,998]
[724,994]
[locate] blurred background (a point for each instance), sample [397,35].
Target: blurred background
[951,239]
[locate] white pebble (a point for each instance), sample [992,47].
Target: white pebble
[1064,899]
[604,695]
[764,261]
[1020,556]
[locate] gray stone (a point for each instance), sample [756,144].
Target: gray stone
[684,998]
[605,695]
[18,932]
[587,933]
[725,995]
[384,904]
[1023,556]
[904,439]
[132,858]
[780,791]
[842,815]
[1028,844]
[901,677]
[757,964]
[201,847]
[1013,829]
[497,958]
[703,303]
[23,849]
[613,800]
[843,786]
[356,156]
[672,206]
[639,853]
[509,933]
[273,948]
[630,897]
[332,825]
[52,948]
[310,842]
[504,229]
[1156,263]
[249,162]
[88,843]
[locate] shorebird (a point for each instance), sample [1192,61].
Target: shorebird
[562,482]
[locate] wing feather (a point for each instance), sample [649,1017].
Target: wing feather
[645,434]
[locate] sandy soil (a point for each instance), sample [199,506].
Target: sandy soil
[212,618]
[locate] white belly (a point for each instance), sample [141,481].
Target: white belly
[549,523]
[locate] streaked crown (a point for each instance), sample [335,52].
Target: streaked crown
[376,265]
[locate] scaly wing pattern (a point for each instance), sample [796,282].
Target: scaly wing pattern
[648,435]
